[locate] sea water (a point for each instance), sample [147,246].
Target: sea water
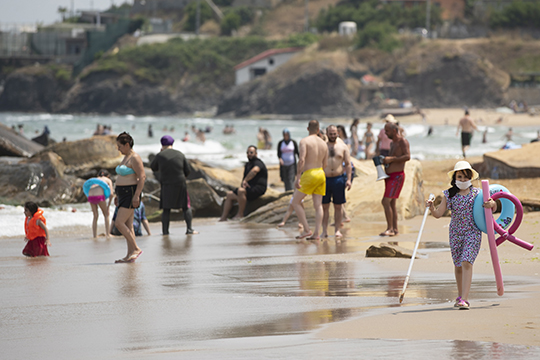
[221,150]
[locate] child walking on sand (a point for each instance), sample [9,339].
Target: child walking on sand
[465,237]
[35,227]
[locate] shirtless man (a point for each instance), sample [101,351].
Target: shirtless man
[336,182]
[467,126]
[310,179]
[399,155]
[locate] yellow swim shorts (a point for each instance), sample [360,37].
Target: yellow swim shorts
[313,181]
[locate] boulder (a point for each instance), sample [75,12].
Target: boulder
[205,202]
[13,144]
[39,179]
[363,200]
[388,250]
[511,164]
[220,180]
[269,196]
[85,157]
[273,212]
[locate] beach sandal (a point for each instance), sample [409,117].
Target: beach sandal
[132,258]
[463,305]
[306,235]
[458,299]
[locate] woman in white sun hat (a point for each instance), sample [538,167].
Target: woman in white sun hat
[464,235]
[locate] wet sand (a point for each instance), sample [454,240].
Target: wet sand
[512,318]
[249,291]
[451,116]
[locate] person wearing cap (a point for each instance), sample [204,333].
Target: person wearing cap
[399,154]
[173,169]
[287,151]
[254,185]
[467,126]
[464,235]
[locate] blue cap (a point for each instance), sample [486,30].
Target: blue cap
[286,131]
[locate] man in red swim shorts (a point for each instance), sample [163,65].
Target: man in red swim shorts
[398,156]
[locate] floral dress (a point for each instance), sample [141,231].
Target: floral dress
[465,237]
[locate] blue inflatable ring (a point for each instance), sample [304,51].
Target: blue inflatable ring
[95,181]
[507,212]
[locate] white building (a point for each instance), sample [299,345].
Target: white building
[263,63]
[347,28]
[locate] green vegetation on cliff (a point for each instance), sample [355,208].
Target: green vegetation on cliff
[210,60]
[517,14]
[377,23]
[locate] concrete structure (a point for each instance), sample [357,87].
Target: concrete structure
[62,39]
[347,28]
[263,63]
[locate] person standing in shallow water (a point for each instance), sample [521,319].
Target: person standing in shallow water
[467,126]
[173,169]
[35,228]
[98,190]
[310,179]
[396,159]
[338,163]
[129,186]
[287,151]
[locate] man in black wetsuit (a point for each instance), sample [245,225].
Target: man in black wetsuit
[173,169]
[254,184]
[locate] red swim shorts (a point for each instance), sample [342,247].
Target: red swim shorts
[394,184]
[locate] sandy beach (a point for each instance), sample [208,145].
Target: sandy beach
[512,318]
[248,290]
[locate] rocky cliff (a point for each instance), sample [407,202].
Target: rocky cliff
[435,73]
[314,87]
[34,89]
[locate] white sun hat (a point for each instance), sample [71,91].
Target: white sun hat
[462,165]
[390,118]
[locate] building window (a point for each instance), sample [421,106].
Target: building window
[256,72]
[271,61]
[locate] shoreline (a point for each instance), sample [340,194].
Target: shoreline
[511,318]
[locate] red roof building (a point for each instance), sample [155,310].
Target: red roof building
[263,63]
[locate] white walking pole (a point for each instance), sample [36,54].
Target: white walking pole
[431,198]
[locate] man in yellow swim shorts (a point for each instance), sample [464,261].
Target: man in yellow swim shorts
[310,179]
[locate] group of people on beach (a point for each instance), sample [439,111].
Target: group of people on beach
[323,170]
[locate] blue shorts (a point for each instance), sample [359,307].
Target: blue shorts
[335,190]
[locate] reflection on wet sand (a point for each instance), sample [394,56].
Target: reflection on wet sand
[233,280]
